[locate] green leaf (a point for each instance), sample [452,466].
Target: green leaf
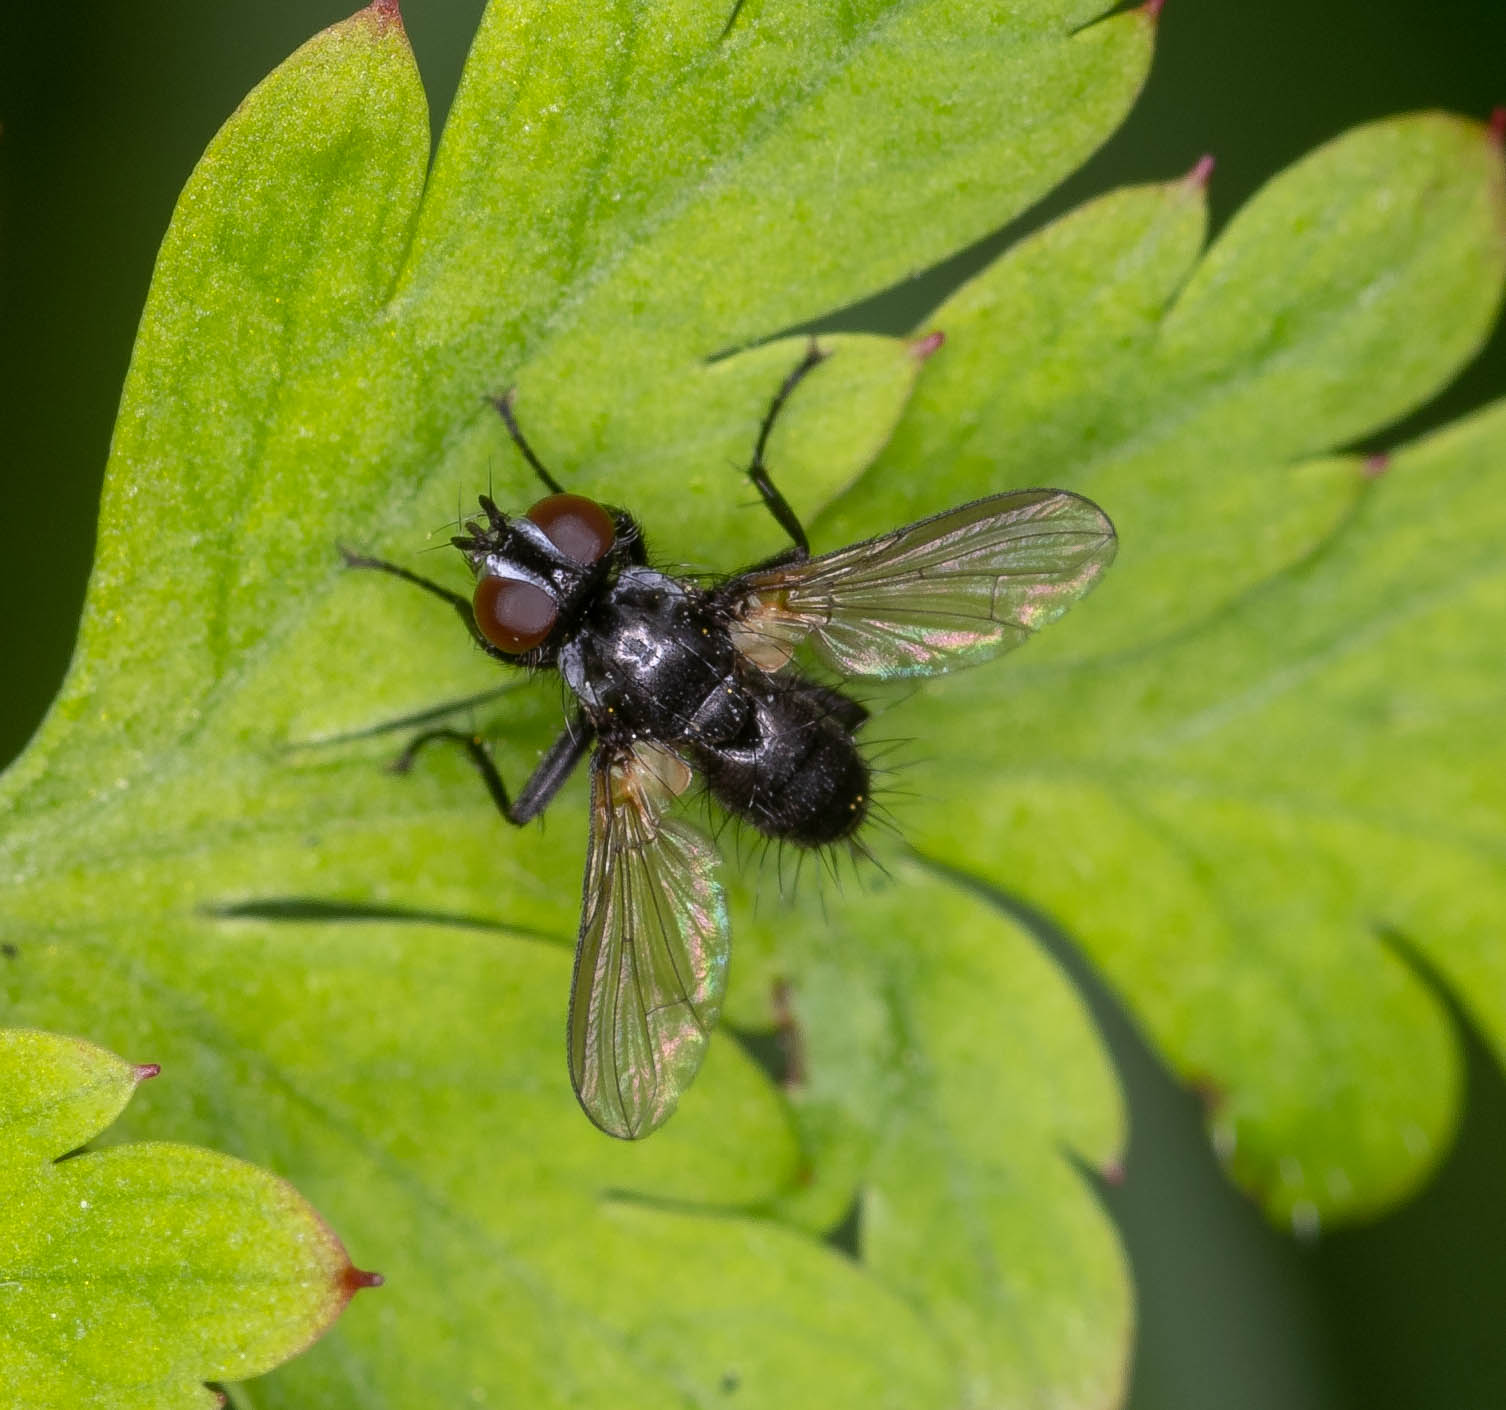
[131,1275]
[1344,295]
[625,211]
[943,1085]
[1237,808]
[367,975]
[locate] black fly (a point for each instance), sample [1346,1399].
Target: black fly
[672,678]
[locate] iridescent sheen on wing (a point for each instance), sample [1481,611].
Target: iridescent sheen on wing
[947,592]
[651,960]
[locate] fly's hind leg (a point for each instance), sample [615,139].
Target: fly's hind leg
[543,783]
[758,472]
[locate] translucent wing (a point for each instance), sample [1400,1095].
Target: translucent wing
[947,592]
[651,960]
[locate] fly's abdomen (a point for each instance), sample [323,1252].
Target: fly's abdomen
[797,773]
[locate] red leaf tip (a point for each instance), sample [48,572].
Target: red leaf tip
[353,1279]
[1112,1173]
[145,1071]
[386,12]
[1497,125]
[923,348]
[1376,465]
[1151,9]
[1202,172]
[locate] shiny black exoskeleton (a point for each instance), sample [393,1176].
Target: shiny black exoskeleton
[672,678]
[650,657]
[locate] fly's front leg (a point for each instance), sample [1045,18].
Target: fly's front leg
[543,783]
[504,408]
[758,472]
[462,605]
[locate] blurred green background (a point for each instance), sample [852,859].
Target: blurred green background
[105,108]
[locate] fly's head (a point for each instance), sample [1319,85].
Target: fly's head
[536,574]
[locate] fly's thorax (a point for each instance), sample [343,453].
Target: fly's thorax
[645,655]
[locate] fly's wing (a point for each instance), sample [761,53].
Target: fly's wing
[947,592]
[651,960]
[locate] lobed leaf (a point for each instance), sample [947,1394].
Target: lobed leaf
[1287,763]
[949,1082]
[1187,395]
[625,211]
[131,1275]
[368,975]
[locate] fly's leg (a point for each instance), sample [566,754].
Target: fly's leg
[543,783]
[504,407]
[462,605]
[553,769]
[758,472]
[737,9]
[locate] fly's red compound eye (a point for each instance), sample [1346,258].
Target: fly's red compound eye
[515,617]
[580,528]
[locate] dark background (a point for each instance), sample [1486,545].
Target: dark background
[105,108]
